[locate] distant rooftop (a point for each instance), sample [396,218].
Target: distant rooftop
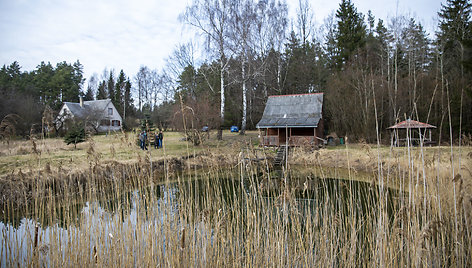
[94,105]
[298,110]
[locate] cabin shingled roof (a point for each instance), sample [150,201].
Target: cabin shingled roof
[300,110]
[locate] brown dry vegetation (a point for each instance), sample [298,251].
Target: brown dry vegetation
[25,161]
[432,169]
[427,224]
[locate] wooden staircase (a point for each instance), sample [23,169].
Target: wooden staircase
[280,157]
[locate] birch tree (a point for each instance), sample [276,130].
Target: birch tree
[244,19]
[211,18]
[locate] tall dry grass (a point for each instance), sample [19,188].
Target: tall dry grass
[245,214]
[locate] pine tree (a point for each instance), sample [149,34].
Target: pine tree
[454,28]
[351,31]
[75,134]
[68,80]
[111,87]
[102,92]
[119,92]
[129,108]
[146,122]
[454,32]
[42,79]
[89,94]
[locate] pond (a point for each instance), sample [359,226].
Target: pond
[199,220]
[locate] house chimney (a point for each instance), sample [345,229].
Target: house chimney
[81,102]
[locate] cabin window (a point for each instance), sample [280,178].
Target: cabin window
[110,111]
[104,122]
[115,123]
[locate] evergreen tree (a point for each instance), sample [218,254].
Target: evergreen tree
[453,35]
[146,122]
[119,92]
[128,100]
[75,134]
[67,80]
[42,80]
[351,31]
[102,91]
[454,28]
[11,77]
[330,48]
[303,66]
[89,94]
[111,87]
[187,82]
[416,45]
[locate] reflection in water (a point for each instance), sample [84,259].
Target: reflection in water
[127,219]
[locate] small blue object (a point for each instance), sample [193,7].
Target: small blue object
[234,129]
[205,129]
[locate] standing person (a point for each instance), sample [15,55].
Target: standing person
[141,143]
[156,141]
[160,136]
[145,140]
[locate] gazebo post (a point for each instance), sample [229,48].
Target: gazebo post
[391,138]
[397,138]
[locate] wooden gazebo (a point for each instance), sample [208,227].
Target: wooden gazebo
[415,133]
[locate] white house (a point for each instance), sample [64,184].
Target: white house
[99,114]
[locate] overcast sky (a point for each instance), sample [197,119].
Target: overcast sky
[125,34]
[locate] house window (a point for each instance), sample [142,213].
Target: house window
[110,111]
[104,122]
[115,123]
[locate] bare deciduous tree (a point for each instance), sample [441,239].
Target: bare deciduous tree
[211,18]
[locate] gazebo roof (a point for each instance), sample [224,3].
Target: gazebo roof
[411,124]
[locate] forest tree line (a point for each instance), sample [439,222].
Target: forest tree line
[374,73]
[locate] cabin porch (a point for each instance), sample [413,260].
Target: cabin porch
[292,136]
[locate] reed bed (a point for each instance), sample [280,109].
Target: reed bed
[244,213]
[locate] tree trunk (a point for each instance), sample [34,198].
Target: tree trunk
[244,120]
[222,105]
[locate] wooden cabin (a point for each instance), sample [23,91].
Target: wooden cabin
[411,132]
[295,120]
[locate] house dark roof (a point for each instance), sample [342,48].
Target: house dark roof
[301,110]
[411,124]
[89,106]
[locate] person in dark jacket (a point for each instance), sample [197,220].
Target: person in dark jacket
[160,137]
[144,140]
[141,137]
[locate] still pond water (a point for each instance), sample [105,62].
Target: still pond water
[154,206]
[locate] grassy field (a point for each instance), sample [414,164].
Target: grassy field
[29,155]
[435,165]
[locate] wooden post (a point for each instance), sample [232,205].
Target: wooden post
[278,136]
[288,140]
[314,136]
